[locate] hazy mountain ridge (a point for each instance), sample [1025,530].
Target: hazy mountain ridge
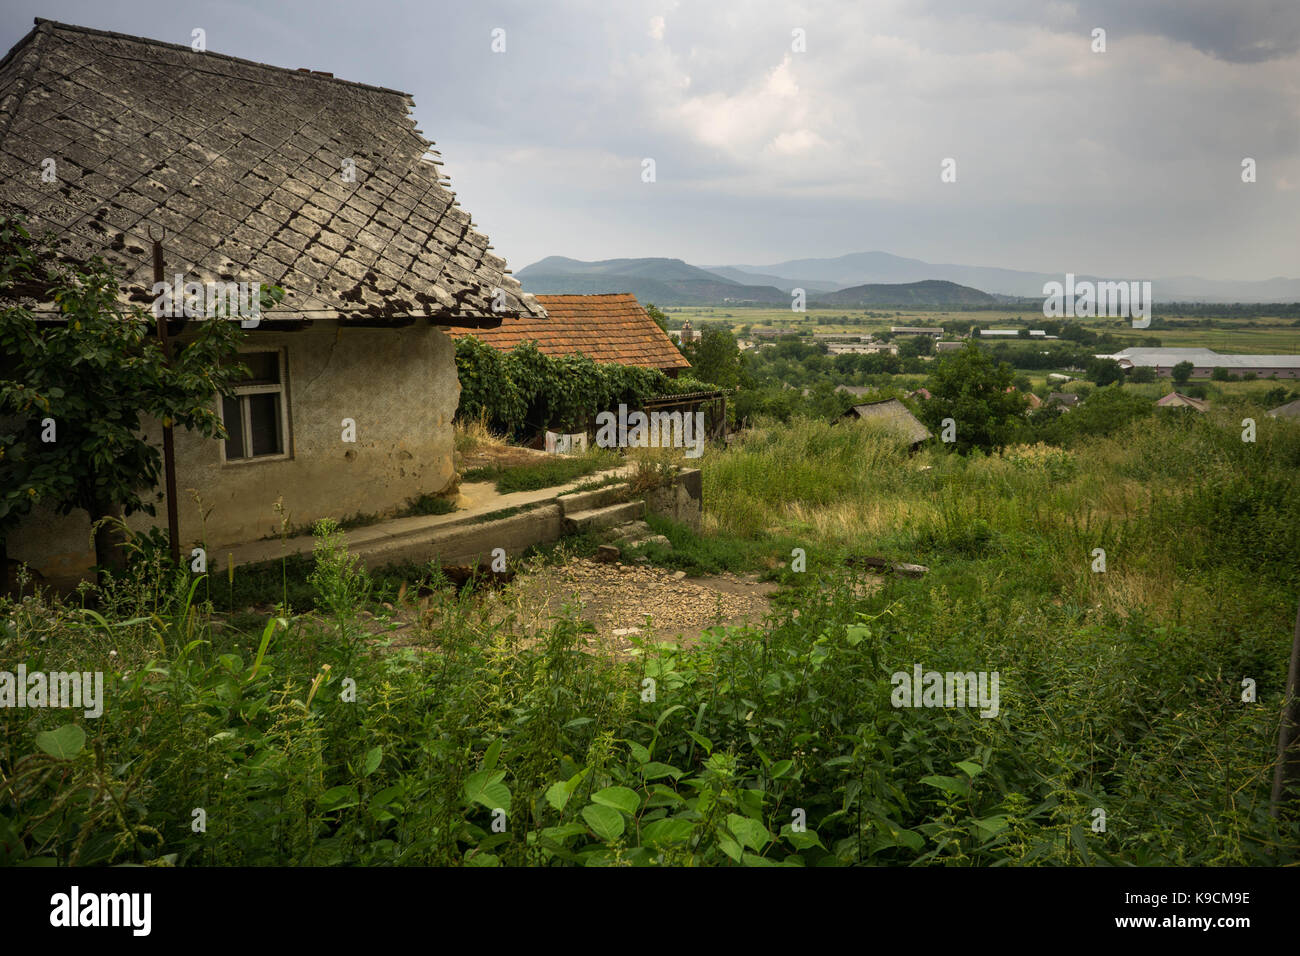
[675,282]
[882,267]
[661,281]
[936,292]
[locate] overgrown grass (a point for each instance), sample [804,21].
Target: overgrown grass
[428,505]
[422,504]
[305,741]
[544,473]
[594,484]
[474,434]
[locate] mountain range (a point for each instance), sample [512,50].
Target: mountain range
[833,281]
[661,281]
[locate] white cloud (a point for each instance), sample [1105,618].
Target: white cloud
[796,142]
[1039,124]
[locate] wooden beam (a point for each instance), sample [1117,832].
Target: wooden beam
[169,444]
[1286,777]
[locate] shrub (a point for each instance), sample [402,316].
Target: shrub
[521,392]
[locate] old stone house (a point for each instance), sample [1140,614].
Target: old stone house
[274,176]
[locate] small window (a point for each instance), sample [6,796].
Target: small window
[256,416]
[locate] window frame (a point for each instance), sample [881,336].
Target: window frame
[240,392]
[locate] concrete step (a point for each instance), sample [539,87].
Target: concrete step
[595,498]
[597,519]
[468,543]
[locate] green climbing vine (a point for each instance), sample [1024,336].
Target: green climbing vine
[523,391]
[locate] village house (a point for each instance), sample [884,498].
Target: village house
[271,176]
[892,415]
[685,333]
[1032,400]
[1067,400]
[610,328]
[842,337]
[861,348]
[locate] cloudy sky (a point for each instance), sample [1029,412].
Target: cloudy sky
[783,131]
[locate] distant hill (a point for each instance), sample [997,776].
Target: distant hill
[781,282]
[881,267]
[930,292]
[661,281]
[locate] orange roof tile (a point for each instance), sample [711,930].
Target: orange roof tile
[610,328]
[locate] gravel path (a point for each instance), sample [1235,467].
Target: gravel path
[616,598]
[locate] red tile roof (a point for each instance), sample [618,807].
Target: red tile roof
[611,328]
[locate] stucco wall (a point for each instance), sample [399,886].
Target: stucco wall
[398,384]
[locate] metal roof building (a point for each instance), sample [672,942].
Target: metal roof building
[1205,361]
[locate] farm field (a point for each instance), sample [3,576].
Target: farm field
[1261,335]
[1260,339]
[820,319]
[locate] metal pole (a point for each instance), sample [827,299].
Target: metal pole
[1287,774]
[169,446]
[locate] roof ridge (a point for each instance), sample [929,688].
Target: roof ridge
[290,71]
[417,250]
[21,79]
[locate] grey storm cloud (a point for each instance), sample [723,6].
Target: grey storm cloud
[1126,162]
[1238,31]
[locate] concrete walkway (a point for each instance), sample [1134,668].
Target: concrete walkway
[403,538]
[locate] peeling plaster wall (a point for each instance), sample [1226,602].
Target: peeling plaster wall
[398,384]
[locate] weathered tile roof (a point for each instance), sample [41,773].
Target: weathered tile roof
[611,328]
[1179,400]
[242,164]
[894,415]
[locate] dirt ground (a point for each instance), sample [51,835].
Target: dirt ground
[618,599]
[507,456]
[615,598]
